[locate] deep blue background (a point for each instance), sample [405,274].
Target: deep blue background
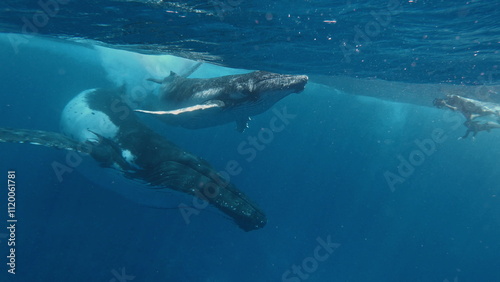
[322,176]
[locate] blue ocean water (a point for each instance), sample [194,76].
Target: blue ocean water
[322,179]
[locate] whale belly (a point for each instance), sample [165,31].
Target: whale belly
[78,120]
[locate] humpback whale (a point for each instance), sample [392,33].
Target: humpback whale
[476,113]
[198,103]
[470,108]
[99,123]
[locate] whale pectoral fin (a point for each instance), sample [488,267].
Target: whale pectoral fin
[103,150]
[242,124]
[208,105]
[43,138]
[189,174]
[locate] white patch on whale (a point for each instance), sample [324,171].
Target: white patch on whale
[128,156]
[77,119]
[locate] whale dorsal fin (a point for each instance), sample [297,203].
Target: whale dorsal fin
[161,81]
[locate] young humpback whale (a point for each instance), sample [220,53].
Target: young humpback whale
[204,102]
[99,123]
[476,113]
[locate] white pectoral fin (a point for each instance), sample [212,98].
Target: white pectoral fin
[207,105]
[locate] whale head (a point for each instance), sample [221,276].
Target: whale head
[260,89]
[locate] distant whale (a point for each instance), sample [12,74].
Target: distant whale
[99,123]
[199,103]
